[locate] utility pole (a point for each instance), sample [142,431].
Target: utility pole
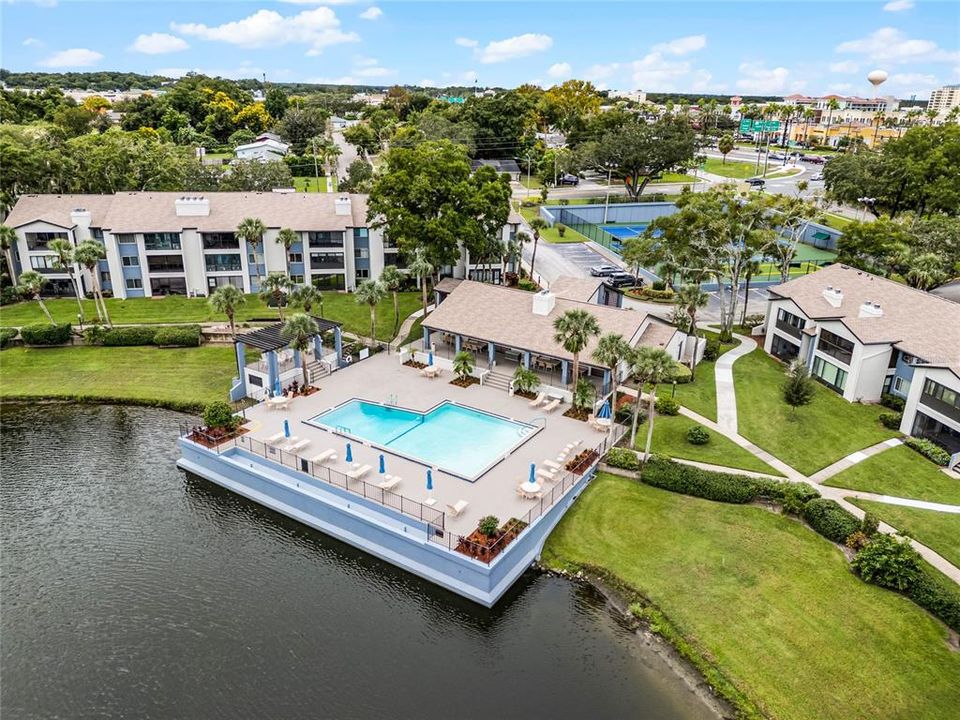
[316,170]
[528,173]
[606,204]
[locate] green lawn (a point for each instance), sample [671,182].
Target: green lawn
[701,394]
[900,472]
[732,168]
[675,178]
[837,222]
[937,530]
[810,438]
[550,234]
[809,252]
[341,307]
[772,603]
[311,184]
[183,375]
[670,438]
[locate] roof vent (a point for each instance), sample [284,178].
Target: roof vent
[544,302]
[341,206]
[192,206]
[833,295]
[870,309]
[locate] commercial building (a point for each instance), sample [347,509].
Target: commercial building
[862,335]
[264,148]
[944,99]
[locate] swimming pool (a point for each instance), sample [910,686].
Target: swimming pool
[460,440]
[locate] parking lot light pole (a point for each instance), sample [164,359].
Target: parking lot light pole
[606,204]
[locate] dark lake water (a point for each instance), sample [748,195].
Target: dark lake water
[130,589]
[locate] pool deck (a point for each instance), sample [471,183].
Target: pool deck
[381,377]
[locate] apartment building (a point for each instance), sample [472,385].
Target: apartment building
[944,99]
[862,335]
[160,243]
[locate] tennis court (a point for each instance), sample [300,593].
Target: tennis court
[624,232]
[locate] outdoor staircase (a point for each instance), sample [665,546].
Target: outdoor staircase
[316,370]
[497,380]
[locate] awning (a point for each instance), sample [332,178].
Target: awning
[821,236]
[271,337]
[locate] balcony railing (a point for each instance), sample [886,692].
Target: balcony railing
[844,356]
[789,329]
[944,408]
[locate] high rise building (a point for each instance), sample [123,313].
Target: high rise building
[944,99]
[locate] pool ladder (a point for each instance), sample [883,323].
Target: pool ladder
[342,429]
[392,399]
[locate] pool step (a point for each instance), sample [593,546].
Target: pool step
[497,380]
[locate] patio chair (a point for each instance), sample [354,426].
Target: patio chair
[456,510]
[538,400]
[552,465]
[389,484]
[552,405]
[326,456]
[545,474]
[274,439]
[359,472]
[299,445]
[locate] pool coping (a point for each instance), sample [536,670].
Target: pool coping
[420,461]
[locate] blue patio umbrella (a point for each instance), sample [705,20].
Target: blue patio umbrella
[429,480]
[277,389]
[383,468]
[430,358]
[286,428]
[604,411]
[349,453]
[533,473]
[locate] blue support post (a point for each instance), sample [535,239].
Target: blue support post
[456,343]
[297,360]
[606,381]
[242,365]
[338,345]
[491,353]
[564,372]
[426,339]
[272,372]
[318,347]
[526,359]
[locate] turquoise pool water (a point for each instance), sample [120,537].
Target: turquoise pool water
[458,439]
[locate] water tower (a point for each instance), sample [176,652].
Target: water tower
[877,78]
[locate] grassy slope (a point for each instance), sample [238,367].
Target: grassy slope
[190,375]
[810,439]
[342,307]
[900,472]
[771,602]
[670,438]
[937,530]
[550,234]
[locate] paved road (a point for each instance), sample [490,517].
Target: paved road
[348,153]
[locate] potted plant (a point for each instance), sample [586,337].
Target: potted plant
[525,382]
[463,369]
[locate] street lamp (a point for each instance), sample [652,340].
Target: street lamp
[606,204]
[867,202]
[80,320]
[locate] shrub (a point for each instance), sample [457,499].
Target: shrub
[698,435]
[712,350]
[6,337]
[126,336]
[857,541]
[937,596]
[528,285]
[625,414]
[667,406]
[690,480]
[888,562]
[489,525]
[754,320]
[658,285]
[653,293]
[891,420]
[172,336]
[94,334]
[830,520]
[525,380]
[929,450]
[893,402]
[219,414]
[9,295]
[870,524]
[622,458]
[795,496]
[561,229]
[681,374]
[46,334]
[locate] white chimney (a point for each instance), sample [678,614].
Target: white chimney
[192,206]
[341,206]
[544,302]
[870,309]
[80,217]
[833,295]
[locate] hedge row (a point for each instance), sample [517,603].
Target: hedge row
[46,334]
[125,336]
[929,450]
[830,520]
[6,337]
[936,596]
[164,335]
[172,336]
[622,458]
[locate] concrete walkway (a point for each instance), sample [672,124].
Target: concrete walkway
[852,459]
[408,323]
[723,372]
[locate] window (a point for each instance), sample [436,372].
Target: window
[790,323]
[220,241]
[130,261]
[104,276]
[325,238]
[330,282]
[363,273]
[835,346]
[361,253]
[295,257]
[43,263]
[901,386]
[96,234]
[134,283]
[326,260]
[161,241]
[255,258]
[360,233]
[126,239]
[40,240]
[168,286]
[296,279]
[829,374]
[223,262]
[219,281]
[942,399]
[165,263]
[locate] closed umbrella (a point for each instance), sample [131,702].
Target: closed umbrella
[286,428]
[430,358]
[277,389]
[383,468]
[429,483]
[349,453]
[533,473]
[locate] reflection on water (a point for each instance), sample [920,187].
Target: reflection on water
[130,589]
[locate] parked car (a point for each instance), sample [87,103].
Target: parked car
[622,279]
[568,179]
[815,159]
[756,182]
[818,177]
[777,156]
[604,270]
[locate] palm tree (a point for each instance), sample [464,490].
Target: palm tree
[514,251]
[287,238]
[537,224]
[226,300]
[298,329]
[832,105]
[391,279]
[651,366]
[725,145]
[89,253]
[927,272]
[612,350]
[371,292]
[8,238]
[63,260]
[251,230]
[463,364]
[421,269]
[749,270]
[573,331]
[306,296]
[691,298]
[273,287]
[808,115]
[31,284]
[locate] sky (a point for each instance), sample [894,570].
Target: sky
[756,48]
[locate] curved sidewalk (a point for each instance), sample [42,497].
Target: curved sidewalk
[723,374]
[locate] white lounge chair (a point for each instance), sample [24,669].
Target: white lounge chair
[298,445]
[326,456]
[538,400]
[457,509]
[389,484]
[274,439]
[545,474]
[359,472]
[552,405]
[552,465]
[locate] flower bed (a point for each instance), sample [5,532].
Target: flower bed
[577,413]
[415,365]
[486,547]
[465,382]
[582,462]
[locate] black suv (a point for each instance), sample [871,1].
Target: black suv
[756,182]
[568,179]
[622,279]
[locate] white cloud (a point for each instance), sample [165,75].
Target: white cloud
[427,82]
[318,28]
[468,77]
[840,87]
[158,44]
[515,47]
[898,5]
[601,71]
[891,45]
[371,13]
[74,57]
[655,73]
[244,71]
[681,46]
[920,83]
[845,66]
[466,42]
[32,42]
[560,70]
[757,79]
